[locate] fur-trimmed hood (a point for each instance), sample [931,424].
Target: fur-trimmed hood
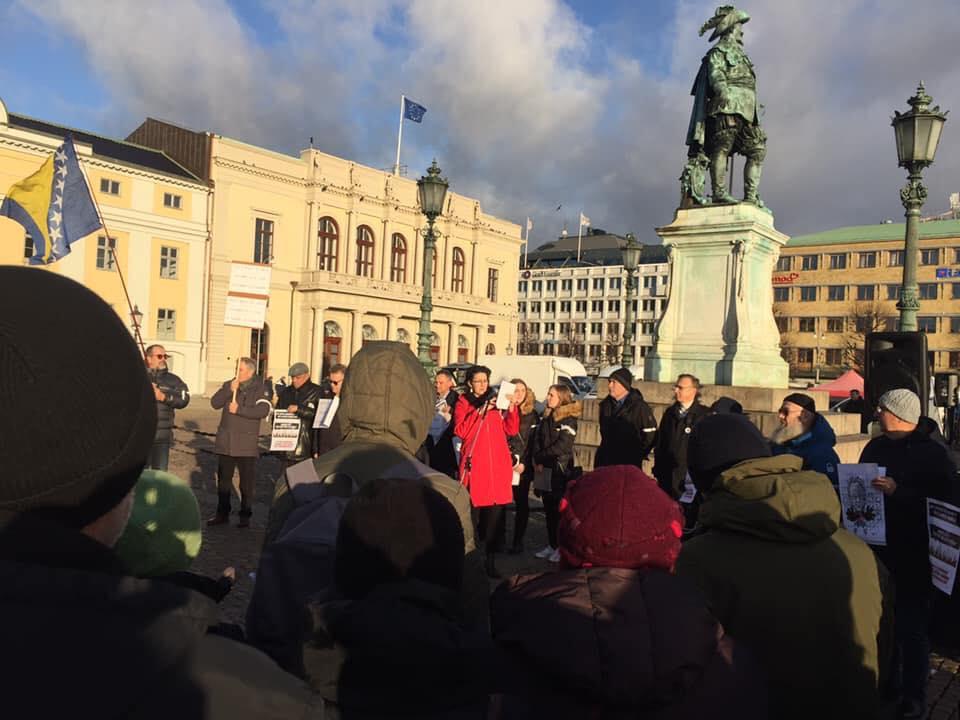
[564,411]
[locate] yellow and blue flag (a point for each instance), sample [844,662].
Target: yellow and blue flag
[54,205]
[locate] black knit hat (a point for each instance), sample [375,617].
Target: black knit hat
[804,401]
[726,405]
[622,376]
[394,530]
[719,442]
[78,415]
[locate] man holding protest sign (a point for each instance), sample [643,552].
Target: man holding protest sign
[300,399]
[245,402]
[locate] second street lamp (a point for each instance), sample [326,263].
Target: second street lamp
[918,134]
[631,259]
[432,190]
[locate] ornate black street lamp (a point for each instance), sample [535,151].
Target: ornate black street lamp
[631,259]
[432,190]
[918,134]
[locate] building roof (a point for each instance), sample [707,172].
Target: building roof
[875,233]
[119,150]
[597,248]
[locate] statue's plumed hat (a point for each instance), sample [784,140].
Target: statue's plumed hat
[724,20]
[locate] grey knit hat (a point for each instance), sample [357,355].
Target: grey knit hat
[903,403]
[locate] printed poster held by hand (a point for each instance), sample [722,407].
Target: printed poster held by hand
[861,503]
[326,412]
[286,431]
[943,529]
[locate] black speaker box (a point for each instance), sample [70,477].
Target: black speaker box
[895,360]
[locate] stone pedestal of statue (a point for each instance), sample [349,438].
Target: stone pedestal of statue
[719,324]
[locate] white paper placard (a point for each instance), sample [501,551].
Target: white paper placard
[326,412]
[861,503]
[505,395]
[943,529]
[286,431]
[245,312]
[250,278]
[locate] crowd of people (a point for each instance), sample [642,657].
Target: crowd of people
[724,586]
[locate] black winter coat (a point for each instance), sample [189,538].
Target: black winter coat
[552,441]
[305,398]
[618,644]
[81,639]
[922,467]
[520,444]
[670,456]
[177,398]
[627,431]
[238,435]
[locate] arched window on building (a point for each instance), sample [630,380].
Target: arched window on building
[332,339]
[459,270]
[328,244]
[403,336]
[463,349]
[369,334]
[260,348]
[435,348]
[398,259]
[364,251]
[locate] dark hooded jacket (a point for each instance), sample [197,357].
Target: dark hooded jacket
[670,456]
[83,639]
[305,398]
[628,431]
[618,644]
[815,448]
[786,581]
[386,406]
[177,397]
[922,467]
[400,651]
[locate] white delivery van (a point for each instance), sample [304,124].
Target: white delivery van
[539,372]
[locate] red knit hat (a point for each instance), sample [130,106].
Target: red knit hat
[617,516]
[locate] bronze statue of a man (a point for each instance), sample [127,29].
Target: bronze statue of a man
[725,114]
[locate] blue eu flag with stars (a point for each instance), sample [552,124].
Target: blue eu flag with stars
[413,111]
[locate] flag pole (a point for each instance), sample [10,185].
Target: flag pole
[526,244]
[396,167]
[579,235]
[113,255]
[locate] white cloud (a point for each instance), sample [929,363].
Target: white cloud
[523,111]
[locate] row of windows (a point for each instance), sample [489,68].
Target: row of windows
[583,284]
[867,259]
[575,350]
[112,187]
[862,325]
[645,327]
[835,357]
[835,293]
[328,254]
[106,256]
[580,306]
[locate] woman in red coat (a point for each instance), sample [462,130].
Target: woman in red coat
[486,465]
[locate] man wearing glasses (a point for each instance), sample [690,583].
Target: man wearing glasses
[329,438]
[172,394]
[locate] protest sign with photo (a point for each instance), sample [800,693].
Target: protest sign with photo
[862,504]
[943,526]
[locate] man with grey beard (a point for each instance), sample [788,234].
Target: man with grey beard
[806,433]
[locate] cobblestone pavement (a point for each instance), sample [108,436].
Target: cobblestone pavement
[192,458]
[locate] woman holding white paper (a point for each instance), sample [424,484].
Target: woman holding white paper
[552,454]
[486,466]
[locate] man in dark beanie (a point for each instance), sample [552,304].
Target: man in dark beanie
[628,430]
[782,576]
[80,636]
[804,432]
[395,645]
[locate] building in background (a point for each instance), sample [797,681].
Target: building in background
[833,287]
[156,211]
[346,250]
[576,308]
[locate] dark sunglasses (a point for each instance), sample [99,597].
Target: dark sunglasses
[160,357]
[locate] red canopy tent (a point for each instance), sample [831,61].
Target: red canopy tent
[841,387]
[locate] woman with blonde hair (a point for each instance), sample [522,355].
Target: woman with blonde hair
[552,449]
[522,467]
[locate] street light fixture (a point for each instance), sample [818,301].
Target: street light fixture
[631,259]
[432,190]
[917,133]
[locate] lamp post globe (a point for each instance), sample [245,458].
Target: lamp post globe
[631,259]
[431,191]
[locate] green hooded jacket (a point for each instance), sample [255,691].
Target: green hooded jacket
[788,583]
[386,406]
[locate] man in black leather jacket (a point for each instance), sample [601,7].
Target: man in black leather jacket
[300,398]
[172,394]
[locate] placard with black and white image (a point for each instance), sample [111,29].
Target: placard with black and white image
[862,503]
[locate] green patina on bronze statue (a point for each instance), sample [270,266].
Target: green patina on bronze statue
[725,117]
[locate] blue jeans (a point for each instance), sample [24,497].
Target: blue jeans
[912,624]
[159,456]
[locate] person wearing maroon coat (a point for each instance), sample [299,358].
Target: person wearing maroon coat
[486,465]
[615,634]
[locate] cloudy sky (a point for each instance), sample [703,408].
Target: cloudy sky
[531,103]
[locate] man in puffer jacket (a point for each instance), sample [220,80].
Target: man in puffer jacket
[615,634]
[784,579]
[806,433]
[171,394]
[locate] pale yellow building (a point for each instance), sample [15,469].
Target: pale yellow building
[346,248]
[156,212]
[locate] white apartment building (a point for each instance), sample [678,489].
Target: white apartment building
[577,308]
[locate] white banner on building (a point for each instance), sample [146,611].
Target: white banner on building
[247,295]
[943,525]
[286,431]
